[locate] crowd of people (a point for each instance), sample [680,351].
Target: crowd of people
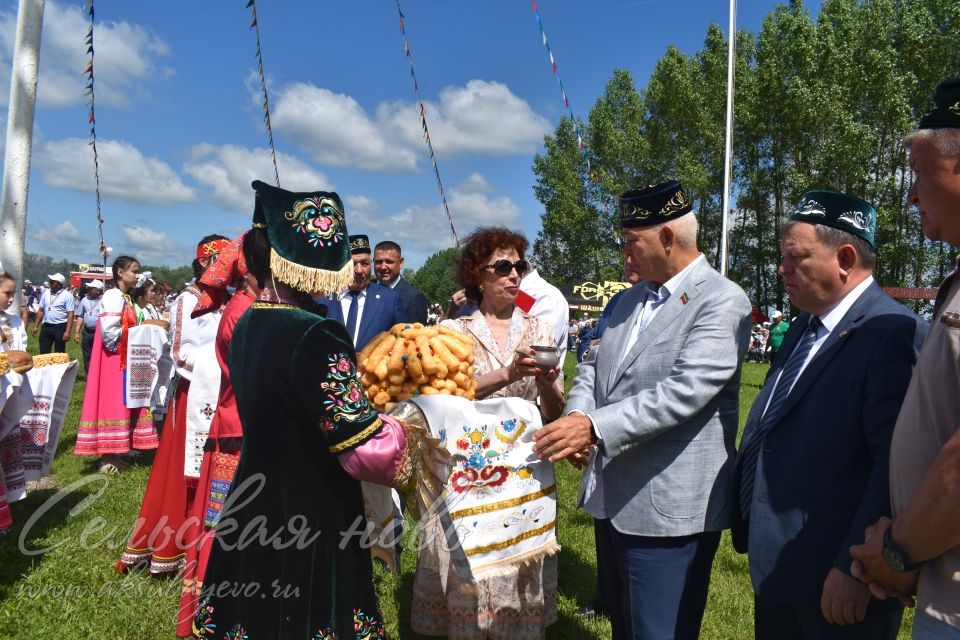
[844,490]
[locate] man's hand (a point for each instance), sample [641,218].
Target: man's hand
[868,566]
[563,438]
[844,600]
[66,336]
[35,329]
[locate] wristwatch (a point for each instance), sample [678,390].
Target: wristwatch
[894,556]
[593,433]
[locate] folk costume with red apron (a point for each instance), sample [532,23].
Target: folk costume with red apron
[107,426]
[222,450]
[159,533]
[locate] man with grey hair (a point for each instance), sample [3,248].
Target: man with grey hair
[918,551]
[812,467]
[658,398]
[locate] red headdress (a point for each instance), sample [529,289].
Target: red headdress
[212,248]
[225,270]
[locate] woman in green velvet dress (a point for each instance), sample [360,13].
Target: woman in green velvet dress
[284,564]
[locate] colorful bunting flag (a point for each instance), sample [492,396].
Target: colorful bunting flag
[92,121]
[566,101]
[252,4]
[423,121]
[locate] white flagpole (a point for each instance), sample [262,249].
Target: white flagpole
[728,153]
[16,165]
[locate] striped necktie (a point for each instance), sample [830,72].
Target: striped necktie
[750,450]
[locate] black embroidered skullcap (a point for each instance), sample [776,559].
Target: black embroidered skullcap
[655,204]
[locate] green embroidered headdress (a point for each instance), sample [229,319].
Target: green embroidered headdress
[840,211]
[308,235]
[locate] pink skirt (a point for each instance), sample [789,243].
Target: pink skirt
[106,425]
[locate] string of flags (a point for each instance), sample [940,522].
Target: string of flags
[566,101]
[92,122]
[251,4]
[423,122]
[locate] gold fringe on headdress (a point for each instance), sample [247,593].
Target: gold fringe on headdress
[313,281]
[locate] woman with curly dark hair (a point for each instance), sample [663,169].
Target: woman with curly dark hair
[518,601]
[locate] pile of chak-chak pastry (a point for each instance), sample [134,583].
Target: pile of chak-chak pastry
[412,360]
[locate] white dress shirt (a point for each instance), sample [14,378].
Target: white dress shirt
[828,322]
[345,299]
[656,298]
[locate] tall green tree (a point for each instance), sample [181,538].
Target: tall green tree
[819,103]
[437,278]
[576,239]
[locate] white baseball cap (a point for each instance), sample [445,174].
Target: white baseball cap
[776,314]
[95,284]
[58,277]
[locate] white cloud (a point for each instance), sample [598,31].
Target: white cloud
[470,206]
[475,183]
[62,239]
[334,129]
[125,173]
[152,247]
[125,58]
[481,117]
[229,170]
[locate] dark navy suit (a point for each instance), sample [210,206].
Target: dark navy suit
[382,308]
[822,474]
[414,302]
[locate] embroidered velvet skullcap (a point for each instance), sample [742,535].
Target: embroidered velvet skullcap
[228,267]
[946,107]
[652,205]
[308,238]
[212,247]
[840,211]
[359,244]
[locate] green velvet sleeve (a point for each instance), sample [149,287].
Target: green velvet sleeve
[327,364]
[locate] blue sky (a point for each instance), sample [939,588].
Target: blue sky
[180,130]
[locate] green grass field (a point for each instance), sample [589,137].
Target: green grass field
[71,591]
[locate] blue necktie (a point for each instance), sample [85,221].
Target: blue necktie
[750,450]
[352,314]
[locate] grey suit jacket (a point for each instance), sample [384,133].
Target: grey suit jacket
[667,414]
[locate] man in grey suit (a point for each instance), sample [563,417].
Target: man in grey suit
[658,398]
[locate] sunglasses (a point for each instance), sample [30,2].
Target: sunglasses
[504,267]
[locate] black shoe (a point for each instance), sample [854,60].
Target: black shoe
[590,611]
